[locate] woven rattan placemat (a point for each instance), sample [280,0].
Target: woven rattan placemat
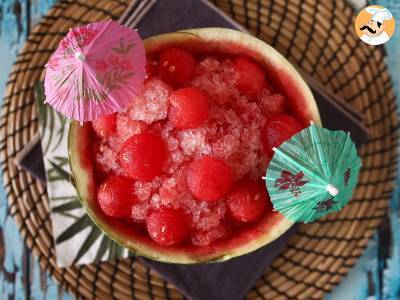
[315,35]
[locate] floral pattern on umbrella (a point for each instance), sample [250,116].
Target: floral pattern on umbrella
[346,176]
[325,205]
[290,181]
[97,69]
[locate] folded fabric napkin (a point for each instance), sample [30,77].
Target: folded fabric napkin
[77,240]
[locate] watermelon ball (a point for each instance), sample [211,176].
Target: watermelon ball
[209,178]
[142,156]
[279,129]
[116,196]
[188,108]
[176,66]
[247,201]
[251,79]
[105,125]
[167,226]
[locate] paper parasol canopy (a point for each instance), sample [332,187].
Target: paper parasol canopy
[313,174]
[97,69]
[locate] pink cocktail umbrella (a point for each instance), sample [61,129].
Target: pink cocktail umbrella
[97,69]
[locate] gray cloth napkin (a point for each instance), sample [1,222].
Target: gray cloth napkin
[232,279]
[229,280]
[170,16]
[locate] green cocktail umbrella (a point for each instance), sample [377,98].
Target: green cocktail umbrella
[313,174]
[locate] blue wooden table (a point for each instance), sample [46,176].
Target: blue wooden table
[376,275]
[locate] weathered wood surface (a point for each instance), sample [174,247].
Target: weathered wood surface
[376,275]
[20,274]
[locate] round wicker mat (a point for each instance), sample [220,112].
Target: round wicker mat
[315,35]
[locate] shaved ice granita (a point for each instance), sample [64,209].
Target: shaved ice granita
[193,145]
[177,175]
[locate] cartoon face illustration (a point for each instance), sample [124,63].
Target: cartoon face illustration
[373,30]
